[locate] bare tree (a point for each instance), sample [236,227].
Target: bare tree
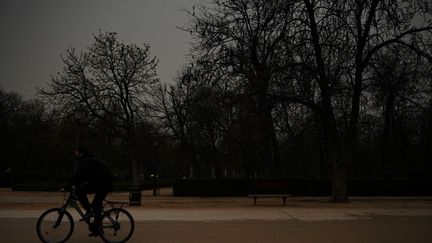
[173,105]
[358,30]
[244,39]
[399,86]
[10,104]
[111,81]
[312,52]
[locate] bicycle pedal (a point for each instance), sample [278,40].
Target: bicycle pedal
[94,234]
[86,218]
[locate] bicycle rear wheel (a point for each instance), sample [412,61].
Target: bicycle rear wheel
[55,225]
[117,225]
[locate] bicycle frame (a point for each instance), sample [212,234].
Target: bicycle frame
[71,201]
[112,214]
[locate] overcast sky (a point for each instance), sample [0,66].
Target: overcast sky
[34,33]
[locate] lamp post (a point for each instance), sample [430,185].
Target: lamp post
[79,114]
[155,171]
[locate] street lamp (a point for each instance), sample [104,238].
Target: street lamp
[79,114]
[155,171]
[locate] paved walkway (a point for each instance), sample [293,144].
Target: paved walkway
[168,208]
[191,219]
[268,213]
[374,230]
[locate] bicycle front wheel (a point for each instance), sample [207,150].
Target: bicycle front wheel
[55,225]
[117,225]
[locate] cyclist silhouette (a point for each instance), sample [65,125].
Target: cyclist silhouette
[91,176]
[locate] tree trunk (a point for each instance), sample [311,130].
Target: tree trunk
[134,188]
[133,162]
[133,165]
[266,140]
[331,143]
[272,144]
[333,153]
[267,131]
[351,133]
[388,143]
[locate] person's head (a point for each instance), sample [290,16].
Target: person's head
[81,152]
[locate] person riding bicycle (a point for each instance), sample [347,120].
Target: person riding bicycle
[91,176]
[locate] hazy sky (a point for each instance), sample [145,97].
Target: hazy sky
[34,33]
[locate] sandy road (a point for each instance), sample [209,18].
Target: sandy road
[377,229]
[174,219]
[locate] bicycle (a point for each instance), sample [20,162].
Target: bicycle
[57,225]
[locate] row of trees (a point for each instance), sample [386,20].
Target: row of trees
[267,73]
[26,142]
[109,84]
[274,88]
[37,143]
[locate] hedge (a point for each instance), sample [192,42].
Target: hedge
[55,186]
[304,187]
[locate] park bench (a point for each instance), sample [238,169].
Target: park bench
[263,189]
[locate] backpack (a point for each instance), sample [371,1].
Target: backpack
[101,170]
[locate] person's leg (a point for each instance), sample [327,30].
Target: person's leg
[98,205]
[82,198]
